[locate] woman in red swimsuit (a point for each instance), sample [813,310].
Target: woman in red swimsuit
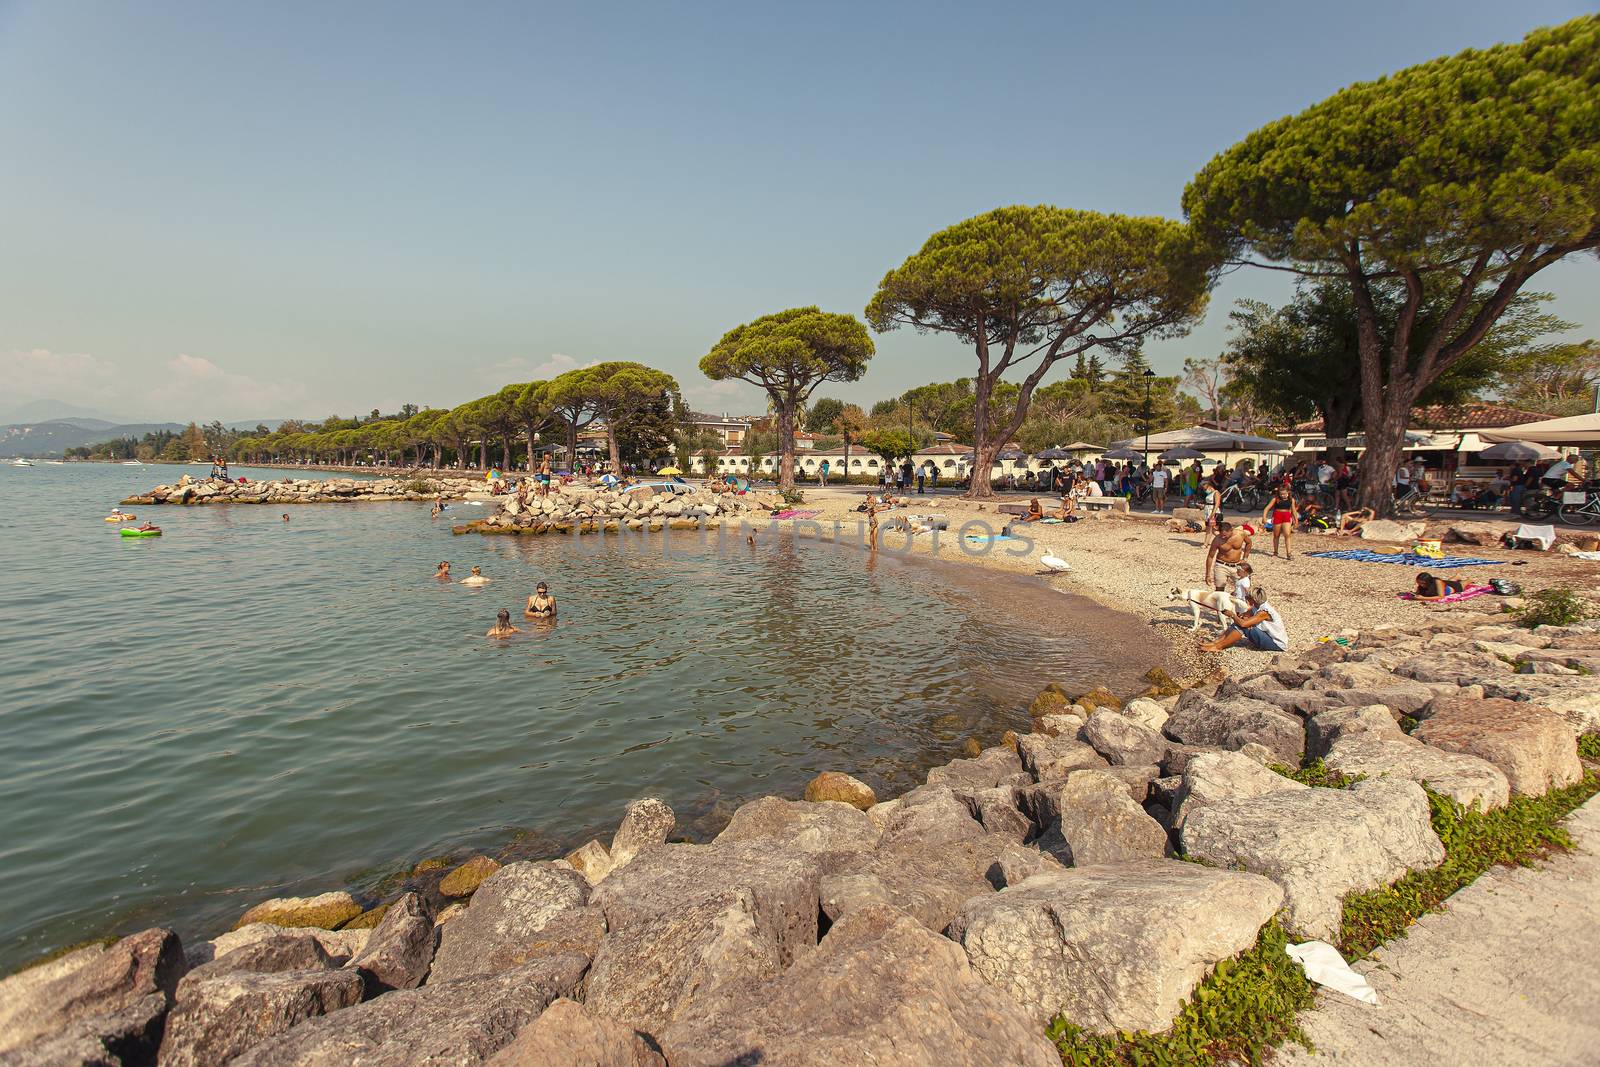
[1279,514]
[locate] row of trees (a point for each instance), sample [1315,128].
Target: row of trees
[1415,208]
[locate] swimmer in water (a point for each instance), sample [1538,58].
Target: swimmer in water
[443,571]
[475,578]
[285,516]
[502,625]
[541,605]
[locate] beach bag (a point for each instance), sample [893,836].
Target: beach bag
[1505,587]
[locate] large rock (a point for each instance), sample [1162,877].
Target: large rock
[325,910]
[831,830]
[998,766]
[1146,712]
[646,822]
[1100,823]
[880,989]
[1051,759]
[832,785]
[340,945]
[465,879]
[1576,700]
[506,923]
[1319,844]
[220,1016]
[997,811]
[1115,947]
[400,950]
[1534,747]
[1457,668]
[1389,530]
[1466,779]
[1326,727]
[683,920]
[1232,723]
[460,1022]
[269,955]
[566,1035]
[1215,776]
[1122,741]
[111,997]
[931,813]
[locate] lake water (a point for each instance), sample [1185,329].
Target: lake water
[245,708]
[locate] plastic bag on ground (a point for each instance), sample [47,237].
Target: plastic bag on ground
[1324,966]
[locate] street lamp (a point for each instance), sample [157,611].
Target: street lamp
[1149,376]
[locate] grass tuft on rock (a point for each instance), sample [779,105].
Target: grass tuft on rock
[1559,605]
[1517,834]
[1318,773]
[1589,747]
[1244,1008]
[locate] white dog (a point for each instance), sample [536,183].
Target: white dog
[1207,598]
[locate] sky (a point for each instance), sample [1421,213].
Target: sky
[301,209]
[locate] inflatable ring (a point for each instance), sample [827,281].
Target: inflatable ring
[140,533]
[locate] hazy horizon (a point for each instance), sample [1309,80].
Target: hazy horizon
[301,210]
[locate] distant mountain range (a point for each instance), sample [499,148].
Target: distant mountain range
[54,438]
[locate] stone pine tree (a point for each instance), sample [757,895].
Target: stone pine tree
[789,354]
[617,391]
[1027,287]
[1459,180]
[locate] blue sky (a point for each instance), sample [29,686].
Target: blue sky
[221,210]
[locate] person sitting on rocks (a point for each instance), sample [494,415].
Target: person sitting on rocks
[443,571]
[1262,628]
[502,624]
[475,578]
[1354,520]
[541,605]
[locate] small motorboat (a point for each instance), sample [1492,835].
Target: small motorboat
[20,462]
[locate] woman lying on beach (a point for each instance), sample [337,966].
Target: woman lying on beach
[475,578]
[1431,588]
[541,605]
[502,625]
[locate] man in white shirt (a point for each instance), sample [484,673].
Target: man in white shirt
[1402,479]
[1158,486]
[1555,475]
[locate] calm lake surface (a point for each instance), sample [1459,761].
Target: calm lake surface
[245,708]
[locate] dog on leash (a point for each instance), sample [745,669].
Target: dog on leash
[1205,598]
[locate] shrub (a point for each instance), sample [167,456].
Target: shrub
[1556,606]
[1318,773]
[420,486]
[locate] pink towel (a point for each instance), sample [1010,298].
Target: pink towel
[1466,594]
[794,514]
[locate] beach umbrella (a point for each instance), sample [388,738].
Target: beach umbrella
[1082,446]
[1573,430]
[1180,453]
[1518,452]
[1054,453]
[669,470]
[608,479]
[1124,453]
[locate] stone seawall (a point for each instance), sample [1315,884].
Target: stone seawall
[582,509]
[949,925]
[191,491]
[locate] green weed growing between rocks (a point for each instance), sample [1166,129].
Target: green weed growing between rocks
[1318,773]
[1243,1009]
[1517,834]
[1589,747]
[1556,606]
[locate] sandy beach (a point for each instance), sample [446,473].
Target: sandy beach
[1131,563]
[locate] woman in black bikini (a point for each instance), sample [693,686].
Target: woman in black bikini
[1431,588]
[541,605]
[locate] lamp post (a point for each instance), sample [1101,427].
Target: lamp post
[1149,376]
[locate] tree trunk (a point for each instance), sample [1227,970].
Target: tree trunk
[483,452]
[505,454]
[1385,447]
[611,446]
[533,431]
[786,445]
[979,487]
[847,459]
[572,446]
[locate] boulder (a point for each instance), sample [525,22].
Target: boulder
[1099,697]
[1059,725]
[1100,823]
[1465,779]
[1145,712]
[830,830]
[1319,844]
[505,925]
[1135,779]
[1459,668]
[459,1022]
[1053,758]
[1389,530]
[1467,535]
[325,910]
[931,813]
[880,990]
[269,955]
[465,879]
[991,767]
[683,920]
[218,1017]
[881,812]
[566,1035]
[400,950]
[997,811]
[831,785]
[591,859]
[100,997]
[1230,724]
[1534,747]
[1216,776]
[1052,700]
[1577,700]
[646,822]
[340,945]
[1116,947]
[1122,741]
[1326,727]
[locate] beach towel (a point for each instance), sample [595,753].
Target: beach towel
[991,538]
[1466,594]
[1410,559]
[796,513]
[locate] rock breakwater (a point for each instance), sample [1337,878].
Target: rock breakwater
[582,509]
[1041,876]
[191,491]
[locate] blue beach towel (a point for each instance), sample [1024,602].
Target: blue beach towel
[1410,559]
[991,538]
